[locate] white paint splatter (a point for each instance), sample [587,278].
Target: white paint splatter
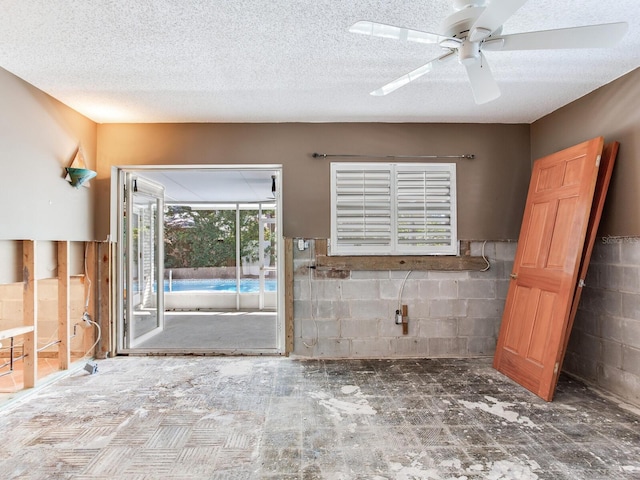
[499,409]
[505,470]
[454,463]
[413,472]
[630,468]
[350,389]
[500,470]
[339,407]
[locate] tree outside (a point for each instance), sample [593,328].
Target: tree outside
[207,238]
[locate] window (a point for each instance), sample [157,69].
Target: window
[393,209]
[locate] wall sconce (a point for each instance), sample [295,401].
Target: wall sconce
[77,173]
[79,176]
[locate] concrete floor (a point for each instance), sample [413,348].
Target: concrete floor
[216,332]
[269,417]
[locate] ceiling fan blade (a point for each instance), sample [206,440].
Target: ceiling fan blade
[383,30]
[492,18]
[409,77]
[483,84]
[590,36]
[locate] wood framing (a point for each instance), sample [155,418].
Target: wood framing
[288,295]
[397,262]
[30,312]
[64,324]
[104,302]
[89,292]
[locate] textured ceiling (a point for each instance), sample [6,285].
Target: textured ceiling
[291,60]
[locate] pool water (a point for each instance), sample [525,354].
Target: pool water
[220,285]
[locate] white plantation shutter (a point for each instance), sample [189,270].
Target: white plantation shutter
[426,209]
[386,209]
[362,209]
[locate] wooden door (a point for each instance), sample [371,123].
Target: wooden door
[602,185]
[545,271]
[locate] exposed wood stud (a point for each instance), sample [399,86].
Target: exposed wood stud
[30,312]
[288,289]
[89,292]
[64,326]
[104,298]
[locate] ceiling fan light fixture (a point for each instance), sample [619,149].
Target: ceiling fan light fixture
[469,53]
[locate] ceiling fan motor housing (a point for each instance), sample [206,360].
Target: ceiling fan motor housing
[457,24]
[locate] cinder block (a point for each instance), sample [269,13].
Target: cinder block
[478,327]
[506,251]
[419,309]
[326,290]
[438,328]
[611,353]
[631,360]
[631,305]
[372,348]
[485,308]
[301,309]
[586,322]
[329,348]
[606,250]
[372,309]
[447,308]
[581,366]
[447,347]
[414,275]
[390,289]
[369,275]
[619,382]
[388,328]
[410,347]
[449,288]
[477,289]
[350,328]
[428,289]
[360,289]
[610,277]
[317,328]
[301,290]
[631,332]
[631,280]
[609,328]
[330,310]
[448,275]
[630,251]
[502,289]
[488,247]
[481,346]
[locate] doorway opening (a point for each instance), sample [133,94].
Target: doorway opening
[198,269]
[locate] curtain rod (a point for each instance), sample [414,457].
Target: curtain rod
[468,156]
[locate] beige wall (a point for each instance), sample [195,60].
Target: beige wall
[492,188]
[38,137]
[612,111]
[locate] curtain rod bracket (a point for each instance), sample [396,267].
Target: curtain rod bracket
[467,156]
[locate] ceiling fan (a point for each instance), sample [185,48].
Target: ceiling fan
[476,26]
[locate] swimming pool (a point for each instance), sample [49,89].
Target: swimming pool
[247,285]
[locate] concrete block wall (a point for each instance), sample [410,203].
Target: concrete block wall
[604,347]
[350,314]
